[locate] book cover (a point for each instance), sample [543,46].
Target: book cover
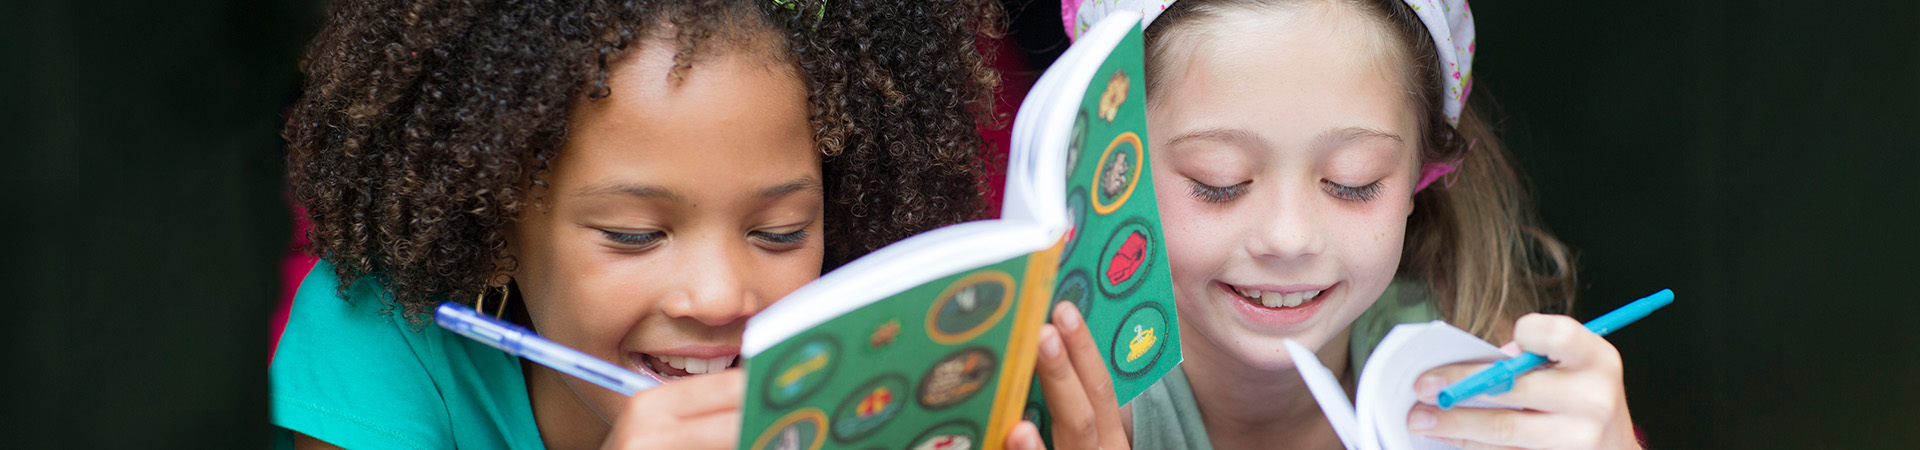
[930,343]
[1114,267]
[923,369]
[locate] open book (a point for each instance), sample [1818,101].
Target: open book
[929,343]
[1379,422]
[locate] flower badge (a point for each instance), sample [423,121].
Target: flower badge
[1115,95]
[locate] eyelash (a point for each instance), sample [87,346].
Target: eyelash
[783,238]
[1355,194]
[633,239]
[645,239]
[1213,194]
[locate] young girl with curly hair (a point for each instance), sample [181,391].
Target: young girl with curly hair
[630,178]
[1322,178]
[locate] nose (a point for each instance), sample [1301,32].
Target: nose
[713,285]
[1288,228]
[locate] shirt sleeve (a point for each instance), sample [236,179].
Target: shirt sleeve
[347,373]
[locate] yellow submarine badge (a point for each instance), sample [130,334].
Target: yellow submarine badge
[1143,339]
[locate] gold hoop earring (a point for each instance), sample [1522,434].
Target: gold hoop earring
[480,302]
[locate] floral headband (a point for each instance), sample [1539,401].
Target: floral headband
[1449,21]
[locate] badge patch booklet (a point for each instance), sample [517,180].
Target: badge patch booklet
[929,343]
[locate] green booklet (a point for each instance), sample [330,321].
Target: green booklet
[929,343]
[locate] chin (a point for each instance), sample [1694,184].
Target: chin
[1270,359]
[1269,354]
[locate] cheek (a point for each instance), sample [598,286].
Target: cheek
[781,273]
[1371,241]
[1198,240]
[581,295]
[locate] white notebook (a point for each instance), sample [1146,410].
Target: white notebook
[1379,422]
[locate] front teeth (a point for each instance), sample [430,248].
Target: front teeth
[1275,299]
[698,366]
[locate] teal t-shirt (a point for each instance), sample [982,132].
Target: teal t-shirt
[1165,416]
[355,376]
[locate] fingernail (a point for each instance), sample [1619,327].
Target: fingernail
[1049,343]
[1069,318]
[1429,386]
[1034,442]
[1421,420]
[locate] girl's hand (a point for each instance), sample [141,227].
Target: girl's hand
[700,412]
[1079,393]
[1577,402]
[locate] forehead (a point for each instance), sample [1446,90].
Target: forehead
[737,110]
[1293,72]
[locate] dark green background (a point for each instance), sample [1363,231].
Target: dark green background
[1758,157]
[142,217]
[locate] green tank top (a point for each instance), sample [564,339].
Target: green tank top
[355,376]
[1165,416]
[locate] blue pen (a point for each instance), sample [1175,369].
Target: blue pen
[524,343]
[1499,378]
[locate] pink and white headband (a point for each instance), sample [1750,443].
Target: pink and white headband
[1449,21]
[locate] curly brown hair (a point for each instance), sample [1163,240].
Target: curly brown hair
[426,127]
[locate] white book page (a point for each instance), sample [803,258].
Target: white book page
[1017,199]
[1327,391]
[1386,383]
[1036,162]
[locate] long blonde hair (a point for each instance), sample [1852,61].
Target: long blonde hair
[1474,239]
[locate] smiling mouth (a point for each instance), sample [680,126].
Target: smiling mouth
[677,367]
[1270,299]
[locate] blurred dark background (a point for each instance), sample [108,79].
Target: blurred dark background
[1758,157]
[143,217]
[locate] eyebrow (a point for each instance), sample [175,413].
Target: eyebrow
[1335,138]
[1234,136]
[804,183]
[636,190]
[1328,139]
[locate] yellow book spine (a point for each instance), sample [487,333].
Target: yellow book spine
[1023,345]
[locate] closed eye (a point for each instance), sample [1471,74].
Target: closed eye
[633,239]
[1352,193]
[795,237]
[1215,194]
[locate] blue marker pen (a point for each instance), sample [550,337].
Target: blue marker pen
[524,343]
[1499,378]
